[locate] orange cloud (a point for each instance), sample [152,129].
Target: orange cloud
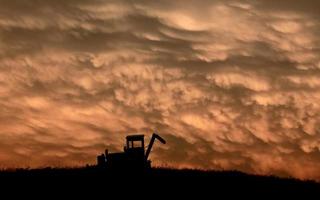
[230,85]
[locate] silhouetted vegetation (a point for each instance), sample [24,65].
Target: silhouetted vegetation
[171,180]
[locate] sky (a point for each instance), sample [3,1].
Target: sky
[231,85]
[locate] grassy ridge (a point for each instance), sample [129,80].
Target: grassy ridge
[169,180]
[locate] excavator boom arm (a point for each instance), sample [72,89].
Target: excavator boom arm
[154,136]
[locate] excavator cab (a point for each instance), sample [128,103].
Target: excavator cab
[135,147]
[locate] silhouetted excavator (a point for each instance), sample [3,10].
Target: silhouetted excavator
[134,156]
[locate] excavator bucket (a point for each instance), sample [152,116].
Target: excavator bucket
[160,138]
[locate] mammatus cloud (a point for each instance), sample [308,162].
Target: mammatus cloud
[231,85]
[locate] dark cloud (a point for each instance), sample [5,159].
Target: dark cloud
[305,7]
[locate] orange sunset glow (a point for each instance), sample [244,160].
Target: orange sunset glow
[231,85]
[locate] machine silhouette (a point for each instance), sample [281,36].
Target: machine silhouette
[134,156]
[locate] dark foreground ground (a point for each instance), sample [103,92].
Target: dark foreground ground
[155,183]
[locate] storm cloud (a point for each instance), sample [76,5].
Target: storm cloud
[229,84]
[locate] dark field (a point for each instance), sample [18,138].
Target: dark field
[159,181]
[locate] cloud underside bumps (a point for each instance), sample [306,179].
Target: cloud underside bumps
[230,85]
